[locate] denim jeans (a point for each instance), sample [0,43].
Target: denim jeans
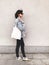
[20,43]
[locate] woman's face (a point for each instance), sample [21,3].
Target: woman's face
[20,15]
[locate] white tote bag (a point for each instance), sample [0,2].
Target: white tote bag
[16,33]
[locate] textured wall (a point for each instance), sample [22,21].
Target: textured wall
[36,17]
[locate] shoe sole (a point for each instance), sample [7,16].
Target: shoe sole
[27,60]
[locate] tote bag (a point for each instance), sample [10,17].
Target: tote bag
[16,33]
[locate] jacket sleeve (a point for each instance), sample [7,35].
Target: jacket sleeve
[19,25]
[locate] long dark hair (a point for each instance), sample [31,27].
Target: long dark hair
[18,12]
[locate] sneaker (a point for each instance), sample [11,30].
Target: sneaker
[25,59]
[19,58]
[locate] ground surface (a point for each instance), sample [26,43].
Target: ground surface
[35,59]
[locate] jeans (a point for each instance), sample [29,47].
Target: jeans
[20,43]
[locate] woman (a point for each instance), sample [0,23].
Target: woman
[21,26]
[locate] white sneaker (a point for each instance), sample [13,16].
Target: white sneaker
[19,58]
[25,59]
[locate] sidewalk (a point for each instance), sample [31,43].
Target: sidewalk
[36,59]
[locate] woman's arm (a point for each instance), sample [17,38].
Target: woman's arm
[19,25]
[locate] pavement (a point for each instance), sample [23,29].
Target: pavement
[35,59]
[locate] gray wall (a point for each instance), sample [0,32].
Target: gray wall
[36,17]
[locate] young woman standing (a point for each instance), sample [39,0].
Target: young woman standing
[20,42]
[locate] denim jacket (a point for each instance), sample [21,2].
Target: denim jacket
[21,26]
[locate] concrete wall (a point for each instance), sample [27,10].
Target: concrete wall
[36,17]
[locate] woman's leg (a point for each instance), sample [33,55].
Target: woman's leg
[17,48]
[22,47]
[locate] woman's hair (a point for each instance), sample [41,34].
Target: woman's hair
[18,12]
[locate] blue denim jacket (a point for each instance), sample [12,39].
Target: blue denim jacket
[21,26]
